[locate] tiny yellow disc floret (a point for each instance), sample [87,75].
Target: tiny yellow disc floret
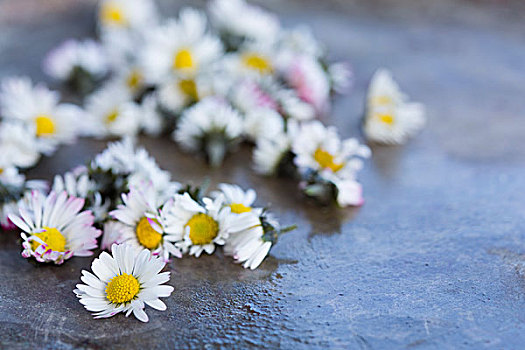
[146,235]
[122,288]
[239,208]
[111,13]
[326,160]
[257,62]
[203,229]
[52,237]
[183,60]
[44,125]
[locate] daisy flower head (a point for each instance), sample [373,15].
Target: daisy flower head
[327,163]
[38,107]
[180,48]
[112,112]
[237,199]
[18,145]
[307,77]
[144,223]
[390,118]
[126,15]
[125,281]
[299,41]
[177,93]
[78,183]
[263,123]
[250,246]
[211,126]
[253,60]
[273,156]
[200,226]
[54,229]
[122,166]
[238,21]
[80,63]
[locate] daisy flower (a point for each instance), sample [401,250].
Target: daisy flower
[324,159]
[81,63]
[308,78]
[52,123]
[253,60]
[144,222]
[77,183]
[299,41]
[239,21]
[390,118]
[132,166]
[54,229]
[124,281]
[210,126]
[177,93]
[112,112]
[273,156]
[118,15]
[18,145]
[181,48]
[237,199]
[201,226]
[263,123]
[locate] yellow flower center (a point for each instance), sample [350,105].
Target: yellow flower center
[111,13]
[134,79]
[239,208]
[112,116]
[1,171]
[203,229]
[189,87]
[383,100]
[326,160]
[44,125]
[386,118]
[183,60]
[257,62]
[146,235]
[122,288]
[52,237]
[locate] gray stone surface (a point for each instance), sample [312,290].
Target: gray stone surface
[434,259]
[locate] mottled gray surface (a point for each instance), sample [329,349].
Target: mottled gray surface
[434,259]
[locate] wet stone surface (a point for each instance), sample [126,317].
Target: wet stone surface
[434,259]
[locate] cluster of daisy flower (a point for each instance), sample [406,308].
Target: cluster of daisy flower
[123,202]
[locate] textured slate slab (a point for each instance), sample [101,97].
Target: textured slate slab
[434,259]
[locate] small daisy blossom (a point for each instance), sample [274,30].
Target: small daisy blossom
[54,229]
[390,118]
[211,126]
[237,199]
[319,148]
[200,227]
[123,15]
[145,225]
[72,55]
[328,163]
[78,184]
[248,247]
[306,76]
[263,122]
[270,153]
[121,158]
[112,112]
[37,106]
[244,21]
[125,281]
[179,48]
[18,145]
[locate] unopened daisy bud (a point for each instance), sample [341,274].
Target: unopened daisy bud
[125,281]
